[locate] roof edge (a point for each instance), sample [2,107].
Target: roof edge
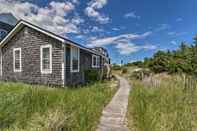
[22,23]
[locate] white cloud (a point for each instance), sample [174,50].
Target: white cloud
[75,1]
[116,39]
[126,49]
[173,42]
[80,36]
[132,15]
[77,20]
[162,27]
[92,11]
[51,17]
[179,19]
[175,34]
[123,43]
[96,29]
[115,29]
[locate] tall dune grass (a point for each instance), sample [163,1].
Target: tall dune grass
[171,106]
[35,108]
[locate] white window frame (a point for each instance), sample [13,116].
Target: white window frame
[97,64]
[94,56]
[46,71]
[20,61]
[1,62]
[71,60]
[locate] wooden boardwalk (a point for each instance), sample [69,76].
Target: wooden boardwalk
[114,113]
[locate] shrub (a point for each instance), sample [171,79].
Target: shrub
[116,67]
[91,75]
[124,70]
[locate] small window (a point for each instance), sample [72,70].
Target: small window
[2,33]
[95,61]
[98,61]
[75,59]
[46,59]
[17,59]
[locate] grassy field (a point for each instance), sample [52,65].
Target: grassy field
[35,108]
[169,105]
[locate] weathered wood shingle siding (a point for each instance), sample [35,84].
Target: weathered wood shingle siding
[30,40]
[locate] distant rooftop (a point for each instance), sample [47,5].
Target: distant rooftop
[8,18]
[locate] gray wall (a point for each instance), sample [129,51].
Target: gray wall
[29,41]
[73,78]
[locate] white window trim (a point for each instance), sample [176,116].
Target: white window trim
[1,61]
[97,65]
[94,66]
[71,61]
[14,50]
[44,71]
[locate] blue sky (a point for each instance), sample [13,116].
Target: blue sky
[129,29]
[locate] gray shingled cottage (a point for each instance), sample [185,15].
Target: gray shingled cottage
[33,55]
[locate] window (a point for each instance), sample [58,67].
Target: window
[2,33]
[98,61]
[74,59]
[17,59]
[46,59]
[95,61]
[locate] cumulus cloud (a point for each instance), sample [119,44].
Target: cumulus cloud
[51,17]
[132,15]
[92,11]
[162,27]
[115,29]
[96,29]
[179,19]
[176,34]
[116,39]
[123,43]
[173,42]
[125,48]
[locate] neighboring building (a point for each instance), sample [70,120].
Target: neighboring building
[7,23]
[33,55]
[104,52]
[8,18]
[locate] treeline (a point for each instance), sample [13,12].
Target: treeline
[184,59]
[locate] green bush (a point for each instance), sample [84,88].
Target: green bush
[91,75]
[124,70]
[116,67]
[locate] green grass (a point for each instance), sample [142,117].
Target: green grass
[170,107]
[36,108]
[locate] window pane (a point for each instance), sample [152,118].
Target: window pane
[75,64]
[94,61]
[17,59]
[17,64]
[45,58]
[75,58]
[17,55]
[46,64]
[45,53]
[98,61]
